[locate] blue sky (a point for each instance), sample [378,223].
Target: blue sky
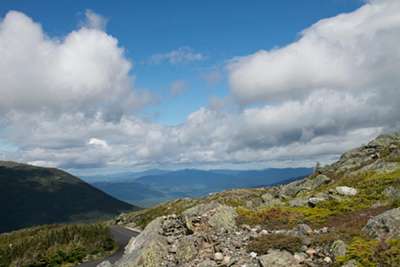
[219,30]
[101,85]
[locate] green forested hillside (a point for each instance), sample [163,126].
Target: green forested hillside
[31,195]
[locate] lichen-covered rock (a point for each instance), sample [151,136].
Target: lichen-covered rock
[338,248]
[346,191]
[385,225]
[146,250]
[313,201]
[298,202]
[392,193]
[219,217]
[310,183]
[278,258]
[270,200]
[186,249]
[302,230]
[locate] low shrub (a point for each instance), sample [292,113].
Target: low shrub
[262,244]
[54,245]
[270,218]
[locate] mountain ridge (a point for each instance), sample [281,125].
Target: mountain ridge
[32,195]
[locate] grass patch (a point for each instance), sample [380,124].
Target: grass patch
[372,253]
[262,244]
[55,245]
[270,218]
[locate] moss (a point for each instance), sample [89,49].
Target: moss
[262,244]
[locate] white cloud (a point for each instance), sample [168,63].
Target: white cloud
[68,102]
[86,71]
[351,52]
[94,21]
[179,56]
[178,87]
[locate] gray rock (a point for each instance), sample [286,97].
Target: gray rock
[338,248]
[146,250]
[186,249]
[220,217]
[346,191]
[277,258]
[218,256]
[270,200]
[104,264]
[313,201]
[385,225]
[310,183]
[298,202]
[392,193]
[302,230]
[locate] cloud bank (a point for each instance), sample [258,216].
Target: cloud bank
[70,102]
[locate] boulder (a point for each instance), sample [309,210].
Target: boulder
[338,248]
[392,193]
[309,183]
[220,217]
[186,249]
[385,225]
[302,230]
[146,250]
[278,258]
[270,200]
[346,191]
[313,201]
[298,202]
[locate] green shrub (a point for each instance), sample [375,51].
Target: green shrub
[54,245]
[262,244]
[270,218]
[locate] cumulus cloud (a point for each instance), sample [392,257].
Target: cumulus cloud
[179,56]
[86,71]
[69,102]
[351,52]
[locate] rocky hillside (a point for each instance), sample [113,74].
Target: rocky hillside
[345,214]
[31,195]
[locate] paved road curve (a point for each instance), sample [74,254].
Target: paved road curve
[121,236]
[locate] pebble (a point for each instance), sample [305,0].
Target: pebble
[327,260]
[218,256]
[253,254]
[311,252]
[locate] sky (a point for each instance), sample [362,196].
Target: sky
[101,86]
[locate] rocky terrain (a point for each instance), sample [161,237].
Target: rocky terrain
[345,214]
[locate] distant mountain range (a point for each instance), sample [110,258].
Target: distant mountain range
[162,185]
[31,195]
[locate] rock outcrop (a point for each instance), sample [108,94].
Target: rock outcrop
[385,225]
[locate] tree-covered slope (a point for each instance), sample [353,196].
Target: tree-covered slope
[31,195]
